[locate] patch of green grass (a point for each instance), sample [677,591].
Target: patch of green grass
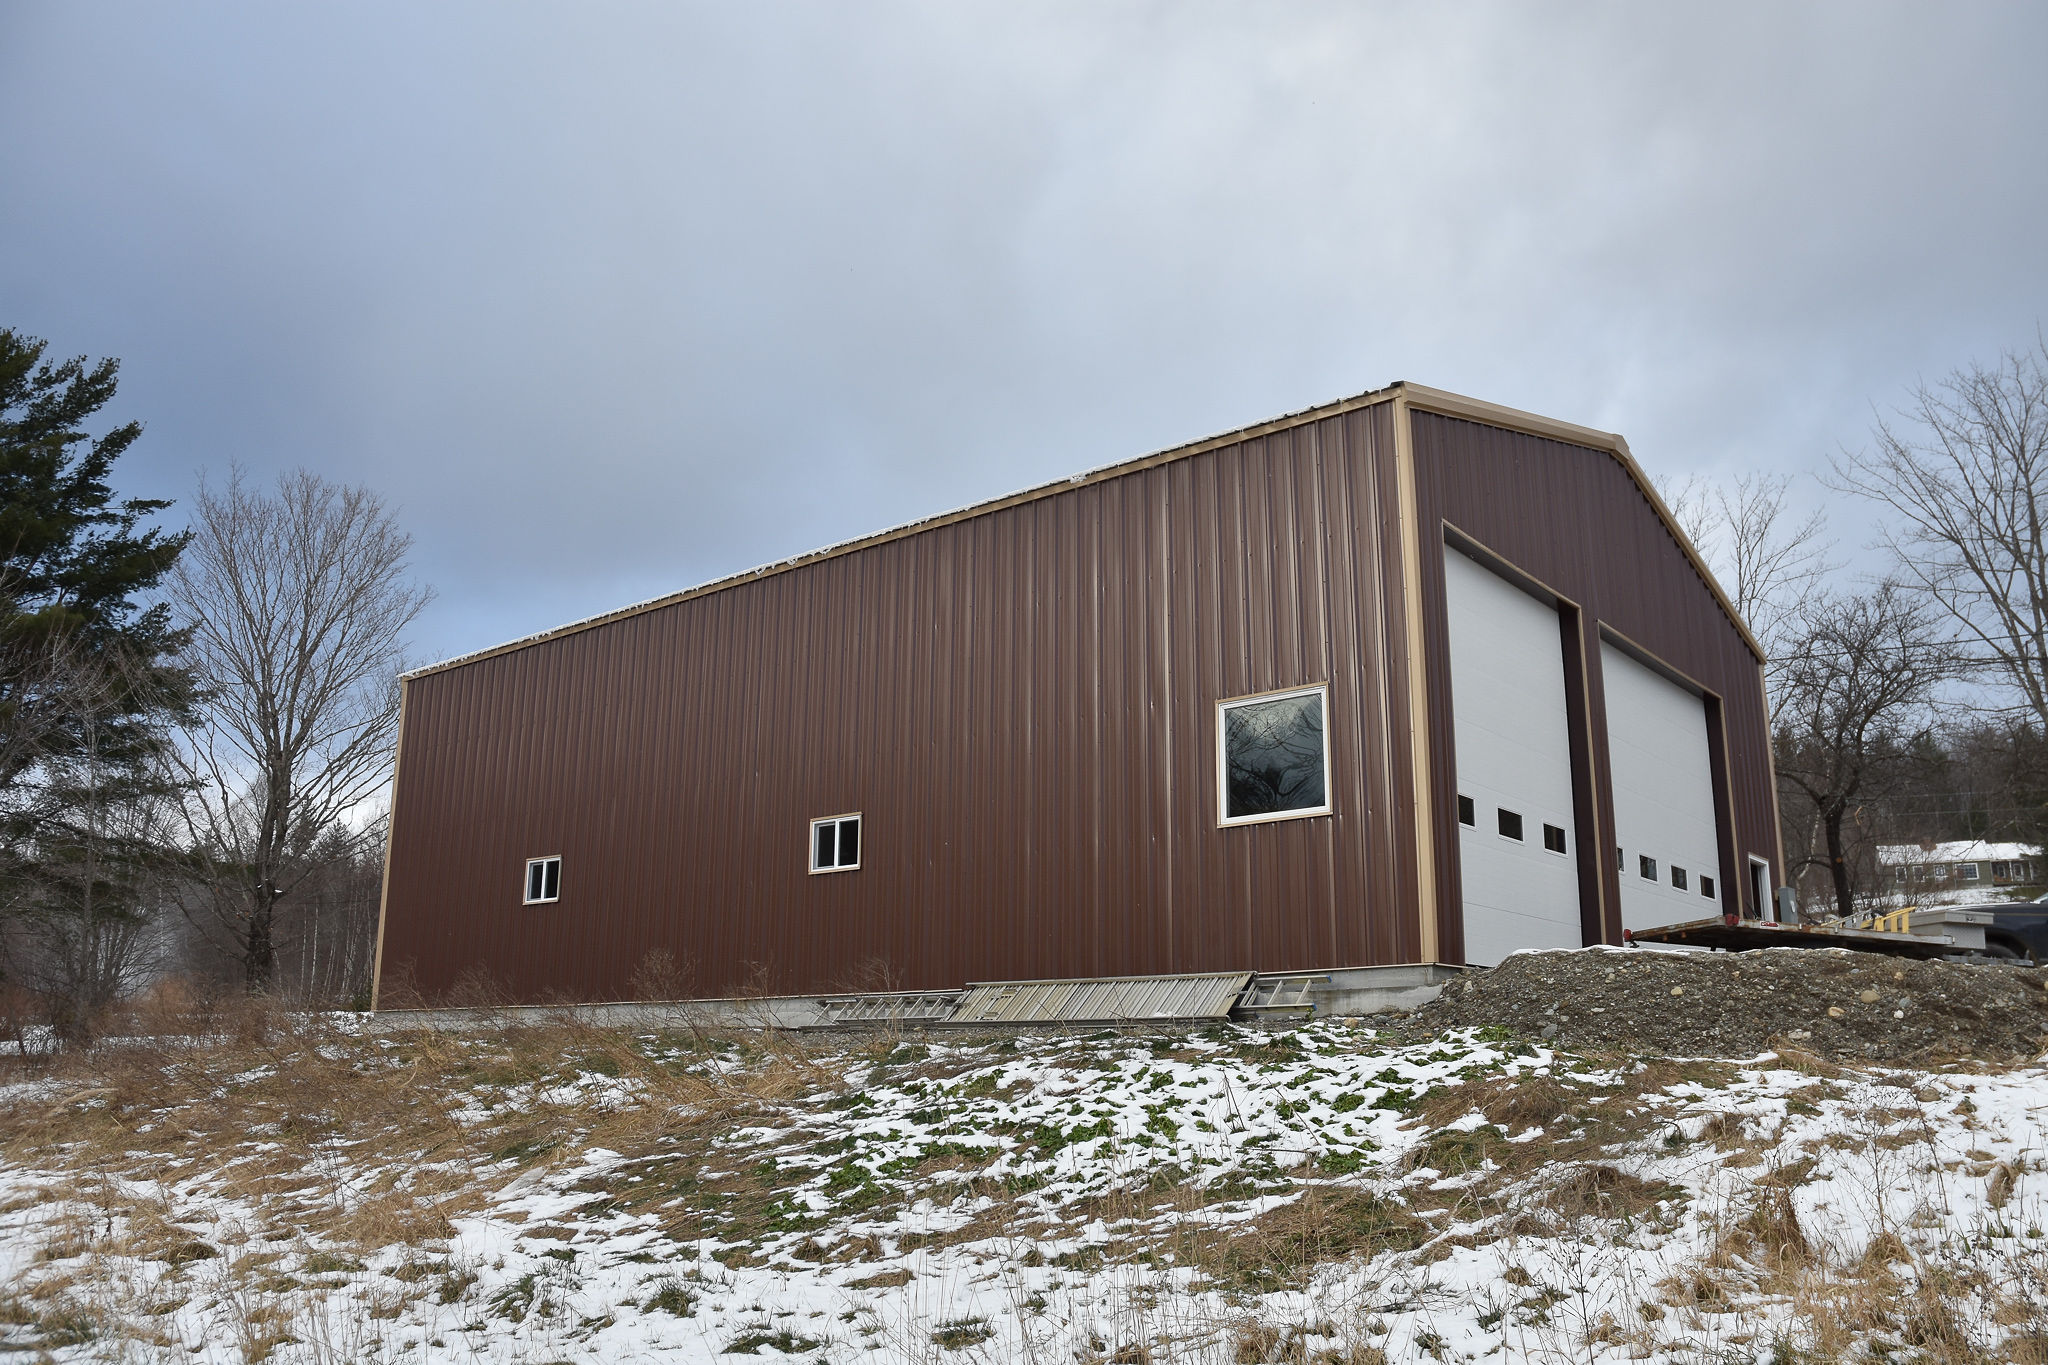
[783,1340]
[961,1333]
[454,1285]
[1455,1151]
[1051,1139]
[670,1297]
[526,1149]
[328,1263]
[515,1300]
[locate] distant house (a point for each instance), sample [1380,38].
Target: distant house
[1958,863]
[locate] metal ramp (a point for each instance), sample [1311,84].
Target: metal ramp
[1282,994]
[1101,1000]
[892,1007]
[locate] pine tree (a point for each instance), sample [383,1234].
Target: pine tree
[75,564]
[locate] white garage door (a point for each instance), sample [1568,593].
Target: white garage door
[1518,854]
[1663,796]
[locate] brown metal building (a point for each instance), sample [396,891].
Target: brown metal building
[1037,737]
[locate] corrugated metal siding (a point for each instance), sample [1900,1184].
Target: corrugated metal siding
[1574,519]
[1020,704]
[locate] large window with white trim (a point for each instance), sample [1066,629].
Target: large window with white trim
[1273,756]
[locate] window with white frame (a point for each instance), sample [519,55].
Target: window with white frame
[1273,756]
[835,843]
[543,880]
[1966,872]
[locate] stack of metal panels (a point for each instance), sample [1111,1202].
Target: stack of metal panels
[1101,1000]
[1283,994]
[895,1007]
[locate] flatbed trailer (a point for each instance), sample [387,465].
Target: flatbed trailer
[1734,934]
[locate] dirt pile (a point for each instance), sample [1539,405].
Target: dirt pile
[1832,1002]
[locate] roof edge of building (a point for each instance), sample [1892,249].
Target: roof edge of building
[1414,395]
[1494,414]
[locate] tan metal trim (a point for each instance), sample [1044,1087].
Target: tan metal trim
[1514,419]
[1771,762]
[1369,399]
[1655,662]
[390,830]
[1429,942]
[1477,550]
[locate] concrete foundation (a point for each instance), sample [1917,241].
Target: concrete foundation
[1356,991]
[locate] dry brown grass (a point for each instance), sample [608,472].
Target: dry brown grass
[364,1140]
[331,1145]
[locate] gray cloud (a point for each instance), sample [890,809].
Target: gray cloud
[612,299]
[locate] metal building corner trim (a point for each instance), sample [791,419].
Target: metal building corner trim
[1429,944]
[390,837]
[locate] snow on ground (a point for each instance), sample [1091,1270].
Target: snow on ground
[1228,1195]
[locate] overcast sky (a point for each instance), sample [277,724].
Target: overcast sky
[610,299]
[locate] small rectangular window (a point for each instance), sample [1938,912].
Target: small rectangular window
[1467,815]
[1647,866]
[1678,878]
[835,843]
[1620,859]
[1553,838]
[1706,886]
[1273,756]
[1510,824]
[1966,872]
[543,880]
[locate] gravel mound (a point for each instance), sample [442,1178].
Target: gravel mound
[1828,1001]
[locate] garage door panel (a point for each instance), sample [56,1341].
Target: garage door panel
[1662,774]
[1513,753]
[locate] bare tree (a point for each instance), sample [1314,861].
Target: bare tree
[297,602]
[1771,561]
[1964,475]
[1858,687]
